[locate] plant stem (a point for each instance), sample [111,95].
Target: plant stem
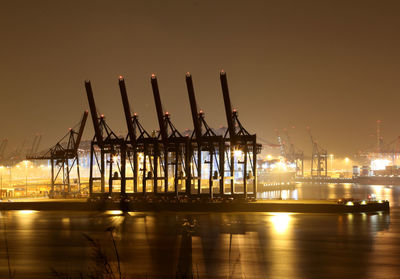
[116,253]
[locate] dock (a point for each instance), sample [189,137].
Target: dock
[299,206]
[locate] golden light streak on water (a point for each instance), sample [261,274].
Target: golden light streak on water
[113,212]
[280,221]
[26,212]
[282,245]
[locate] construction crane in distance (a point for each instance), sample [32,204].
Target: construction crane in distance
[282,144]
[16,156]
[3,146]
[319,158]
[294,155]
[35,145]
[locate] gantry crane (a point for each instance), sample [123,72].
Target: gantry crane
[112,152]
[35,145]
[205,144]
[244,164]
[282,145]
[319,158]
[3,146]
[174,148]
[16,156]
[294,155]
[63,158]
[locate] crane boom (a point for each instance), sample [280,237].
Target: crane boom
[80,132]
[193,107]
[33,144]
[157,101]
[37,144]
[228,106]
[127,111]
[93,111]
[310,134]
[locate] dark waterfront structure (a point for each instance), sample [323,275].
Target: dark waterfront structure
[316,206]
[63,159]
[168,163]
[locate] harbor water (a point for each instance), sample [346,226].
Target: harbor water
[209,245]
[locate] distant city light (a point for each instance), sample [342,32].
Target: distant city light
[380,164]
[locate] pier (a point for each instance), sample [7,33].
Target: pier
[299,206]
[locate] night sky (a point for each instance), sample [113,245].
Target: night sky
[331,65]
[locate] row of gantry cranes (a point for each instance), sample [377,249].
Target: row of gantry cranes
[295,156]
[20,152]
[165,163]
[168,163]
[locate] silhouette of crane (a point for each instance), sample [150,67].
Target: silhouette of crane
[63,158]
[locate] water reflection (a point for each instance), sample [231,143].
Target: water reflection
[280,221]
[281,246]
[114,212]
[164,245]
[26,212]
[209,245]
[334,191]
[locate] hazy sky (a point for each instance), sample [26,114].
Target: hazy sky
[331,65]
